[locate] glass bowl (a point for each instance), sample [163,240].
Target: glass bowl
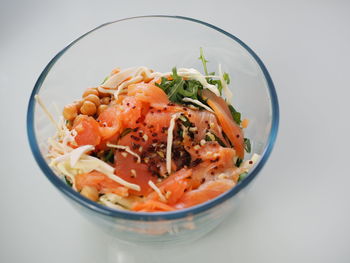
[160,43]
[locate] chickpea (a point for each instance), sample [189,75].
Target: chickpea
[105,100]
[90,91]
[88,108]
[93,98]
[101,108]
[103,94]
[90,192]
[70,111]
[78,104]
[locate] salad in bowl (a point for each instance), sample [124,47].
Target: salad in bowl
[152,141]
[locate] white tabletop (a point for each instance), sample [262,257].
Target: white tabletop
[298,209]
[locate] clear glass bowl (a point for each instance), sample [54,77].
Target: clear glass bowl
[158,42]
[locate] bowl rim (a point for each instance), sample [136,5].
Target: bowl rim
[143,216]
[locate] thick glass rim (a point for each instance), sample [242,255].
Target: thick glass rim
[143,216]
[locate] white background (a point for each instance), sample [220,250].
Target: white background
[298,209]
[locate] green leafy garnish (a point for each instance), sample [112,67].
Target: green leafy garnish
[242,176]
[226,78]
[105,79]
[109,156]
[239,162]
[247,145]
[216,138]
[68,182]
[215,82]
[235,114]
[185,121]
[178,88]
[125,132]
[204,62]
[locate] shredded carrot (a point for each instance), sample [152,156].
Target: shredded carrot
[245,123]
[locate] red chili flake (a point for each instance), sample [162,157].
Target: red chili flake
[151,126]
[144,124]
[128,104]
[140,134]
[212,173]
[154,140]
[171,104]
[250,162]
[197,152]
[203,180]
[190,115]
[152,112]
[216,167]
[188,147]
[196,132]
[165,108]
[151,108]
[206,122]
[134,107]
[158,111]
[237,136]
[185,109]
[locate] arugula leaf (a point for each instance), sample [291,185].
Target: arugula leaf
[220,142]
[185,121]
[226,78]
[105,79]
[215,82]
[235,114]
[239,162]
[177,88]
[242,176]
[178,85]
[247,145]
[69,183]
[204,61]
[109,156]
